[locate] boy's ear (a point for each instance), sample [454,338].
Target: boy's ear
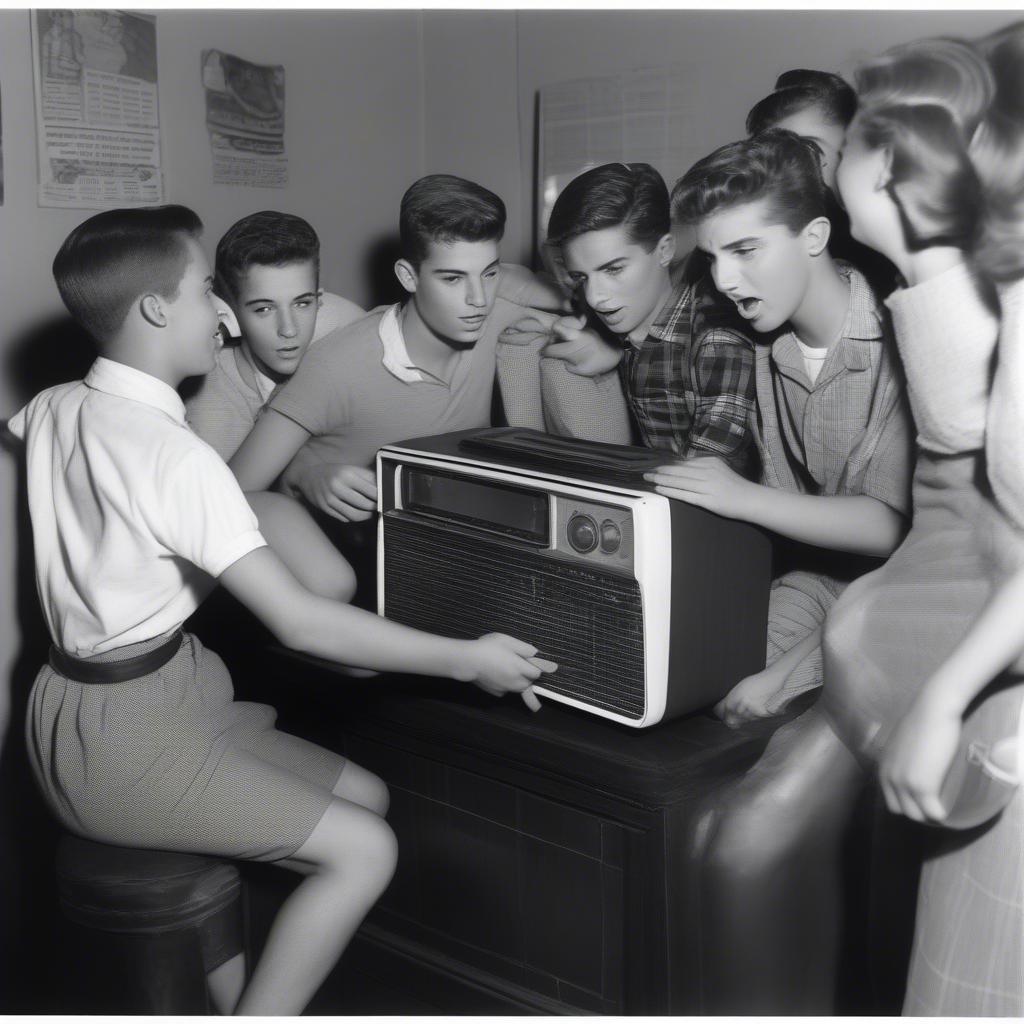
[152,310]
[407,276]
[666,249]
[816,234]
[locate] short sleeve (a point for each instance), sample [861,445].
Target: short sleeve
[315,397]
[890,468]
[202,513]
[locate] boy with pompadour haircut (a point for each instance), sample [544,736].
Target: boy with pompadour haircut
[425,366]
[833,427]
[134,520]
[685,363]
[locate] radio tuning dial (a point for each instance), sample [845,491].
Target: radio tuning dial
[611,536]
[583,533]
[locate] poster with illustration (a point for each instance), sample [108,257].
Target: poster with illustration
[245,119]
[97,116]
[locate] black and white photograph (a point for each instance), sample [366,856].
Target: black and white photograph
[512,510]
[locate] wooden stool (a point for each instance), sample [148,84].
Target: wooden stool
[146,926]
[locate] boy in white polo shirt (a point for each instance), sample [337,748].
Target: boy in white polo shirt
[134,736]
[425,366]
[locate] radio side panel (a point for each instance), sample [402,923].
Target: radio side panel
[721,578]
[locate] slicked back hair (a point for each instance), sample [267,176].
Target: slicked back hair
[798,89]
[264,239]
[776,165]
[444,208]
[114,257]
[633,196]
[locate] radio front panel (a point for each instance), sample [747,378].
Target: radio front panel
[581,572]
[448,580]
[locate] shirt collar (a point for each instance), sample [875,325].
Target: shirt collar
[396,356]
[863,323]
[123,381]
[664,325]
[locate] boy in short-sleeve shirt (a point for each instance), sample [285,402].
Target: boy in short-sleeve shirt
[133,732]
[832,425]
[424,366]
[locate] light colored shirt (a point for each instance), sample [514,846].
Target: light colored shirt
[222,407]
[847,432]
[814,359]
[358,390]
[132,514]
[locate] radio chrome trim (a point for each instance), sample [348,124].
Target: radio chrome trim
[651,563]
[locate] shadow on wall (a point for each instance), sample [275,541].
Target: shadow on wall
[53,352]
[379,271]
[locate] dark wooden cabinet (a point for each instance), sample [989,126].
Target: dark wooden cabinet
[545,859]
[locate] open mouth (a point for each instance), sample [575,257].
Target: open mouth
[749,307]
[610,316]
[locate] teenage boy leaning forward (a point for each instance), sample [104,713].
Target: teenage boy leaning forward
[267,271]
[425,366]
[134,520]
[833,427]
[685,362]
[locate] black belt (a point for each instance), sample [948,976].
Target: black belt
[116,671]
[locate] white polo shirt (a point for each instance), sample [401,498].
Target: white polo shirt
[132,514]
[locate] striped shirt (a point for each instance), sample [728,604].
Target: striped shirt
[690,382]
[850,430]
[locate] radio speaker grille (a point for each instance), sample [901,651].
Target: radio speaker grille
[463,585]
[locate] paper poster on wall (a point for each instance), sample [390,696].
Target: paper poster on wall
[245,118]
[636,116]
[97,118]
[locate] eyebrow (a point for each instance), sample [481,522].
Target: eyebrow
[604,266]
[463,273]
[742,241]
[270,302]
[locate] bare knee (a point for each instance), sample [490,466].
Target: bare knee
[362,787]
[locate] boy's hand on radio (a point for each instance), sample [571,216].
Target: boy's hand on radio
[500,664]
[708,482]
[582,350]
[348,493]
[751,698]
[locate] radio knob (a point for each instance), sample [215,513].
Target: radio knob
[611,537]
[582,532]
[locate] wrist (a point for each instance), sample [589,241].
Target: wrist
[458,660]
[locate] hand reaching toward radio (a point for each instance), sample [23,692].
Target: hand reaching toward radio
[752,698]
[582,350]
[708,482]
[348,493]
[500,664]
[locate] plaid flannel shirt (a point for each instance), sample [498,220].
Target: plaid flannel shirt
[690,383]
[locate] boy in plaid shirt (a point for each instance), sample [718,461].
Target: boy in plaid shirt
[833,427]
[685,362]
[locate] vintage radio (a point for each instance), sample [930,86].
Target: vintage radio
[652,608]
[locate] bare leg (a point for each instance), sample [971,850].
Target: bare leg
[772,895]
[226,983]
[359,786]
[348,862]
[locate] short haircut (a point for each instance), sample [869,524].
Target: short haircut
[264,239]
[444,208]
[114,257]
[776,165]
[630,195]
[798,89]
